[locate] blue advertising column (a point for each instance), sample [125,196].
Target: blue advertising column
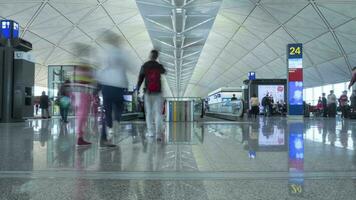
[295,79]
[295,118]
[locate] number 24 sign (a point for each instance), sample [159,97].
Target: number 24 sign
[295,50]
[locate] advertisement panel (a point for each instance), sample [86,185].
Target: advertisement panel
[276,91]
[295,93]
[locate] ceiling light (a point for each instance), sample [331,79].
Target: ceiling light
[179,10]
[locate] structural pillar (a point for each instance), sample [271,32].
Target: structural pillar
[7,82]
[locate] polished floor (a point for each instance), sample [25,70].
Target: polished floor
[265,158]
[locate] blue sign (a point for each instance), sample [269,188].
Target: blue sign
[295,50]
[252,154]
[6,29]
[252,76]
[16,30]
[296,93]
[9,29]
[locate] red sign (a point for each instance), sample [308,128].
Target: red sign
[295,74]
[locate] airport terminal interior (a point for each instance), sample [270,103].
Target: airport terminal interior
[256,99]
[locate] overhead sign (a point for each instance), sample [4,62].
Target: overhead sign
[9,29]
[295,50]
[252,76]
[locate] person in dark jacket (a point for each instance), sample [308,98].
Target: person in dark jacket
[353,100]
[44,104]
[325,105]
[151,73]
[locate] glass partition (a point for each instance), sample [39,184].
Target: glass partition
[230,107]
[57,74]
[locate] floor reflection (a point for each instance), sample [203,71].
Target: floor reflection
[260,146]
[47,144]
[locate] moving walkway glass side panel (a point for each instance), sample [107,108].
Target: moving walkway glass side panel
[178,110]
[57,74]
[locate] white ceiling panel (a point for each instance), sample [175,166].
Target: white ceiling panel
[340,66]
[223,40]
[306,25]
[224,26]
[73,11]
[22,12]
[235,49]
[278,41]
[264,53]
[245,39]
[334,18]
[347,36]
[96,22]
[252,61]
[283,10]
[323,48]
[344,8]
[260,24]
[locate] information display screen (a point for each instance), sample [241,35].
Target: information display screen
[295,93]
[295,63]
[9,29]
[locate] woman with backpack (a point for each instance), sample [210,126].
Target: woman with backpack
[151,73]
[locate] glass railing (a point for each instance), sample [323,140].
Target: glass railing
[230,107]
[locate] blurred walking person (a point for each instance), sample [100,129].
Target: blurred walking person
[44,104]
[82,88]
[325,105]
[266,104]
[37,108]
[331,104]
[64,100]
[255,105]
[151,73]
[113,81]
